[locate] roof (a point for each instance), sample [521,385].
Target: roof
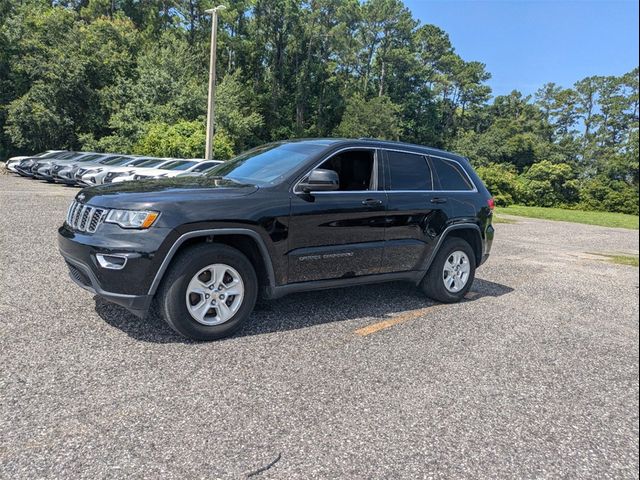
[373,142]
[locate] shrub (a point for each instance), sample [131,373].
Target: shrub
[603,194]
[547,184]
[184,139]
[502,181]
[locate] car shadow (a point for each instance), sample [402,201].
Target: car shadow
[300,310]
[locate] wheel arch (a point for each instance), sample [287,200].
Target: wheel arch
[247,241]
[470,232]
[472,237]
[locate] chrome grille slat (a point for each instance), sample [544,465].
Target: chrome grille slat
[96,218]
[86,213]
[76,215]
[85,218]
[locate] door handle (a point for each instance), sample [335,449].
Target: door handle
[372,202]
[438,200]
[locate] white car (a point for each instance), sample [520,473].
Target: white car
[66,172]
[200,168]
[13,161]
[96,174]
[166,170]
[124,174]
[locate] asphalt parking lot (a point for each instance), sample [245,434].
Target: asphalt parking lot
[535,375]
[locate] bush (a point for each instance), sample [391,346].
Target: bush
[547,184]
[184,139]
[378,117]
[603,194]
[502,181]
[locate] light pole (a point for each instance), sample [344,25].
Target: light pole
[208,154]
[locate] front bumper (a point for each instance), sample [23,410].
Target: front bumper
[82,275]
[63,177]
[129,286]
[25,172]
[44,174]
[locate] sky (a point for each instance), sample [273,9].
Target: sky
[528,43]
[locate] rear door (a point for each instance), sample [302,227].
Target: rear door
[451,179]
[416,213]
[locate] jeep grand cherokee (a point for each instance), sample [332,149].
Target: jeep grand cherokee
[284,217]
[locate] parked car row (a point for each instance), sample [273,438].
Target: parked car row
[92,168]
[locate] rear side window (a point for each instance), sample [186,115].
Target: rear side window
[408,171]
[451,175]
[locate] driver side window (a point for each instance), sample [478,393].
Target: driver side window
[355,168]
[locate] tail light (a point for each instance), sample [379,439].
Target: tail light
[492,204]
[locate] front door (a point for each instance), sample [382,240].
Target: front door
[339,234]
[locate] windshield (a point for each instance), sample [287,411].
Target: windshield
[67,155]
[151,163]
[266,164]
[117,160]
[106,160]
[178,165]
[52,154]
[135,162]
[204,166]
[89,157]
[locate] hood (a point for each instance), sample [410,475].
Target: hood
[151,171]
[121,169]
[153,194]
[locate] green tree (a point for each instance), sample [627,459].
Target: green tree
[375,118]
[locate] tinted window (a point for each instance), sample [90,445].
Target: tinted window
[450,175]
[354,169]
[408,171]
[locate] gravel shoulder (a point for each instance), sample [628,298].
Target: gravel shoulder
[535,375]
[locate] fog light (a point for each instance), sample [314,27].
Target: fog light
[111,262]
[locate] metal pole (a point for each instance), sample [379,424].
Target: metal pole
[212,83]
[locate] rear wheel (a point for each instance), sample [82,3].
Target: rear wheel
[452,272]
[209,292]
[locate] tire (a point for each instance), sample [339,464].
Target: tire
[434,284]
[172,297]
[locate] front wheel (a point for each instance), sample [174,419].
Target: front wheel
[209,292]
[452,272]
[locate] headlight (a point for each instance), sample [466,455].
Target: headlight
[132,218]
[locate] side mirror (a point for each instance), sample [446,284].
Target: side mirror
[321,180]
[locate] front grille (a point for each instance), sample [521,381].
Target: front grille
[85,218]
[78,275]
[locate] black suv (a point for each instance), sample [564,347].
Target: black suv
[284,217]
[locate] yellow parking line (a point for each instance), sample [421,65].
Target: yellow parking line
[404,317]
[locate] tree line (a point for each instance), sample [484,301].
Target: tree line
[131,76]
